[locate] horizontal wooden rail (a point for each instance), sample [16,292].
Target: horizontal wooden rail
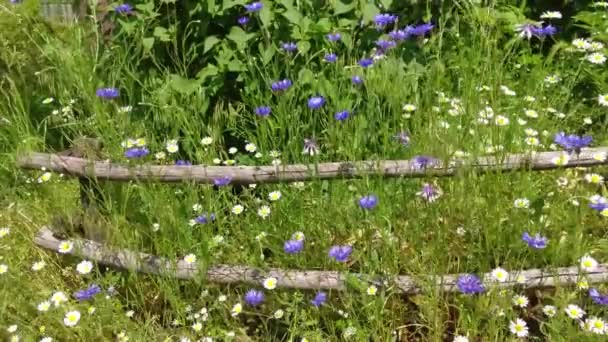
[104,170]
[311,280]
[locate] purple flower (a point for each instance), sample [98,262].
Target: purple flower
[319,299]
[429,192]
[254,297]
[293,246]
[403,138]
[537,241]
[542,32]
[263,111]
[342,115]
[383,19]
[281,85]
[136,152]
[204,218]
[124,9]
[222,181]
[254,7]
[470,284]
[421,30]
[310,147]
[87,293]
[107,93]
[399,35]
[183,162]
[572,143]
[334,37]
[600,206]
[340,253]
[366,62]
[356,80]
[385,44]
[526,30]
[422,162]
[597,297]
[289,47]
[368,202]
[316,102]
[330,57]
[244,20]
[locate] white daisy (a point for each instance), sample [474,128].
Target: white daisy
[549,310]
[238,209]
[65,247]
[519,327]
[596,58]
[520,301]
[71,318]
[588,264]
[274,196]
[270,283]
[84,267]
[499,274]
[574,311]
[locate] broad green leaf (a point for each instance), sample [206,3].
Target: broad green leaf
[266,15]
[266,53]
[161,33]
[341,8]
[303,46]
[207,71]
[369,12]
[305,76]
[231,3]
[211,7]
[127,26]
[148,43]
[321,26]
[239,37]
[184,85]
[386,4]
[292,15]
[236,65]
[210,43]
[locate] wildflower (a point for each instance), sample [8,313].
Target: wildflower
[190,259]
[289,47]
[136,152]
[340,253]
[531,132]
[342,115]
[552,79]
[274,196]
[549,310]
[429,192]
[270,283]
[48,100]
[58,298]
[597,297]
[520,301]
[204,218]
[368,202]
[551,15]
[399,35]
[254,7]
[499,274]
[546,31]
[124,9]
[330,57]
[356,80]
[278,314]
[4,232]
[572,143]
[470,284]
[501,120]
[293,246]
[423,162]
[421,30]
[319,299]
[349,332]
[160,155]
[45,177]
[263,111]
[244,20]
[222,181]
[236,309]
[310,147]
[254,297]
[594,178]
[198,326]
[582,284]
[44,306]
[107,93]
[366,62]
[596,46]
[71,318]
[596,58]
[460,338]
[280,86]
[536,242]
[316,102]
[532,141]
[403,138]
[409,107]
[372,290]
[172,146]
[264,211]
[238,209]
[87,293]
[561,159]
[333,37]
[531,113]
[84,267]
[519,328]
[251,148]
[574,311]
[588,264]
[596,326]
[3,269]
[385,44]
[384,19]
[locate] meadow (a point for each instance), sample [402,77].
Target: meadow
[247,83]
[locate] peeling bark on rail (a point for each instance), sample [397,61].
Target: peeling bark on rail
[309,280]
[105,170]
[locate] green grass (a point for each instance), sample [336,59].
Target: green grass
[404,234]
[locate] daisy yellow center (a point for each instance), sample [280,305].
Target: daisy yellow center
[519,328]
[604,212]
[72,317]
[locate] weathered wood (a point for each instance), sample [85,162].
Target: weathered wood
[299,172]
[311,280]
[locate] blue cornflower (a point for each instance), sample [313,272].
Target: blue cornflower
[334,37]
[330,57]
[107,93]
[526,30]
[124,9]
[293,246]
[254,6]
[429,192]
[542,32]
[87,293]
[470,284]
[222,181]
[356,80]
[137,152]
[537,241]
[597,297]
[310,147]
[383,19]
[421,30]
[254,297]
[340,253]
[572,143]
[289,47]
[316,102]
[422,162]
[244,20]
[366,62]
[368,202]
[204,218]
[403,138]
[385,44]
[180,162]
[399,35]
[281,85]
[263,111]
[342,115]
[319,299]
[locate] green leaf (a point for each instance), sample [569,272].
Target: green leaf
[211,7]
[236,65]
[341,8]
[239,37]
[207,71]
[184,85]
[306,76]
[369,12]
[266,15]
[386,4]
[266,54]
[321,26]
[303,46]
[148,43]
[210,43]
[231,3]
[162,34]
[292,15]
